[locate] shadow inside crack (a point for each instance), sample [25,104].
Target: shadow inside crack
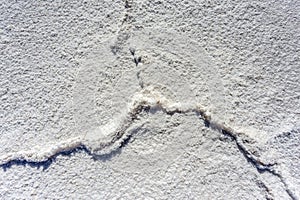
[117,151]
[46,163]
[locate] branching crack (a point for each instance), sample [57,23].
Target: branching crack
[106,140]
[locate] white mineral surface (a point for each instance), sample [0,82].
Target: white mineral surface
[150,99]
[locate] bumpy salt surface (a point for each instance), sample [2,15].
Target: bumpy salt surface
[169,71]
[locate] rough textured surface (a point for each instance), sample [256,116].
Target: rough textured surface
[70,69]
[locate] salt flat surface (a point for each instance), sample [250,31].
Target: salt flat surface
[149,100]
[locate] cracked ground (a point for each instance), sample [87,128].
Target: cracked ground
[69,70]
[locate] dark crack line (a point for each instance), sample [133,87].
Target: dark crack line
[120,135]
[46,163]
[127,6]
[137,60]
[269,194]
[123,35]
[260,166]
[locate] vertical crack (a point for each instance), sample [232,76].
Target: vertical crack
[123,35]
[137,59]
